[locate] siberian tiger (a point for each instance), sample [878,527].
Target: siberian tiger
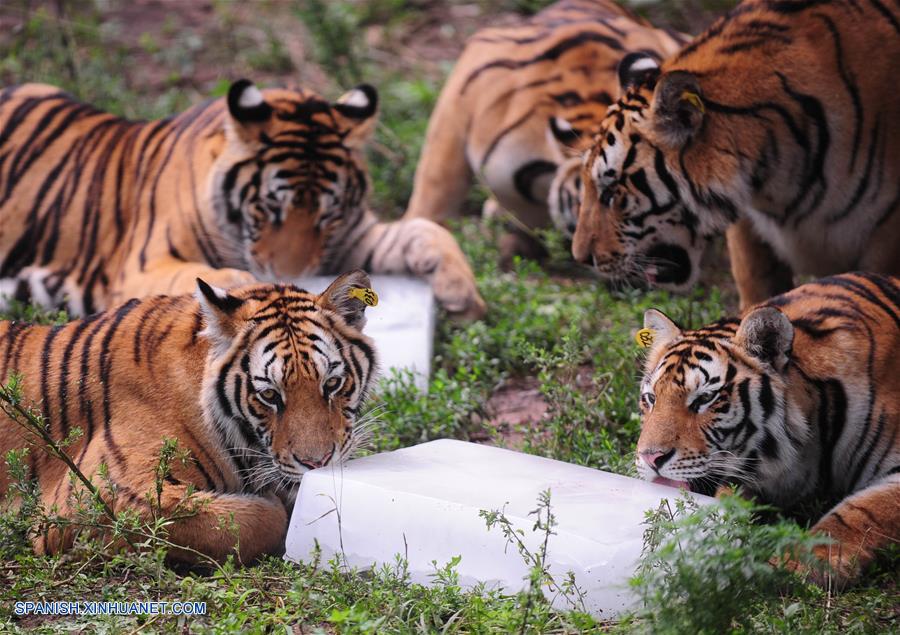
[260,384]
[798,401]
[778,122]
[266,185]
[519,98]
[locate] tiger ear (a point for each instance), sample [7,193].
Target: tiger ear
[678,107]
[358,106]
[246,103]
[220,314]
[637,69]
[768,335]
[664,330]
[339,297]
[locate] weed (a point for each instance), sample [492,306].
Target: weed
[539,576]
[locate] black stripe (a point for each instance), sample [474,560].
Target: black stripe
[105,368]
[551,54]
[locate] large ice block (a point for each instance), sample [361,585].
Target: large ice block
[423,502]
[402,324]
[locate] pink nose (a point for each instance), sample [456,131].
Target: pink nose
[656,459]
[313,463]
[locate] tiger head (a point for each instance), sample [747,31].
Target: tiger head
[568,143]
[287,373]
[633,223]
[713,403]
[291,175]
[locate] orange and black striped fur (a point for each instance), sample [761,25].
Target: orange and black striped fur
[259,384]
[778,122]
[797,402]
[518,98]
[261,185]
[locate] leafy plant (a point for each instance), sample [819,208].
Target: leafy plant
[539,576]
[708,569]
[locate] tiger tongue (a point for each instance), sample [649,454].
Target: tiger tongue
[662,480]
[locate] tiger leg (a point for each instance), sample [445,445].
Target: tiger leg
[245,525]
[213,524]
[861,524]
[515,241]
[443,176]
[422,248]
[757,271]
[175,278]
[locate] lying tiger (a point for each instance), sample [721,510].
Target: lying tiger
[519,102]
[798,401]
[776,124]
[260,185]
[260,384]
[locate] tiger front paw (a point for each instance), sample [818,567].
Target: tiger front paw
[439,259]
[830,567]
[454,287]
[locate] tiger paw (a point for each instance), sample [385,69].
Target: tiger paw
[827,569]
[454,287]
[435,255]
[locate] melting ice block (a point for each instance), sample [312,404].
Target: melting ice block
[402,324]
[423,502]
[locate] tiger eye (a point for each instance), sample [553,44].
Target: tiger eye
[332,383]
[269,394]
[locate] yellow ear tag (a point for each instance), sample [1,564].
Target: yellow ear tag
[694,100]
[365,295]
[644,338]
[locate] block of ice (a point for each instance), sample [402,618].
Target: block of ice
[423,502]
[402,324]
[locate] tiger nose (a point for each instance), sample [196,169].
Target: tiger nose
[314,463]
[656,459]
[587,257]
[583,250]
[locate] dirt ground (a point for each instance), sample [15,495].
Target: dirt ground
[208,41]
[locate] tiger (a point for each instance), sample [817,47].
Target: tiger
[774,126]
[522,101]
[797,402]
[258,185]
[259,384]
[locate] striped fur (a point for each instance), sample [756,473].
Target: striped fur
[519,98]
[259,384]
[260,185]
[797,402]
[776,123]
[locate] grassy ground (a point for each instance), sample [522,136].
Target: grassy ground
[552,335]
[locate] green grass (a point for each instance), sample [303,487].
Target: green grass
[704,572]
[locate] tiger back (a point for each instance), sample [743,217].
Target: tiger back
[796,403]
[258,384]
[520,102]
[261,185]
[772,125]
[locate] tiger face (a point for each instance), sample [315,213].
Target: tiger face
[287,373]
[569,142]
[291,175]
[564,199]
[713,402]
[633,223]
